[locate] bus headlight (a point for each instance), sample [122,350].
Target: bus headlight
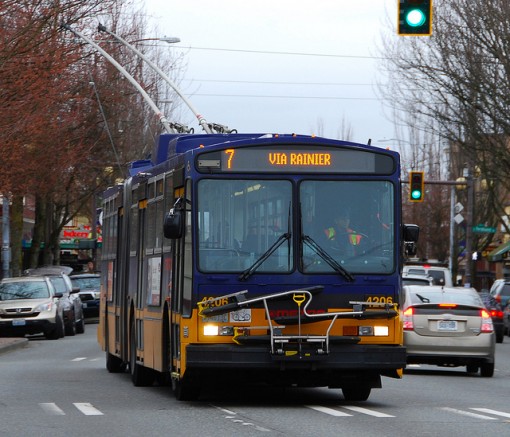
[212,330]
[381,331]
[376,331]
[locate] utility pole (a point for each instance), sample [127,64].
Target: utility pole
[6,238]
[469,225]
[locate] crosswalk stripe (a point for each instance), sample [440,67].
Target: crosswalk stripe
[489,411]
[366,411]
[467,413]
[87,409]
[51,408]
[329,411]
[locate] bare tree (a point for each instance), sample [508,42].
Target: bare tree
[65,134]
[455,84]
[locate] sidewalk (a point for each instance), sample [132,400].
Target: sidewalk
[10,343]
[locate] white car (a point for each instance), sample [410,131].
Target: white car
[440,275]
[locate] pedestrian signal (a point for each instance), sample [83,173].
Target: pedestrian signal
[416,186]
[414,17]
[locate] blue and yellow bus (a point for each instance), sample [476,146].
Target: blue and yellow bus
[222,260]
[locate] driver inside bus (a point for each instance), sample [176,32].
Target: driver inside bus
[341,237]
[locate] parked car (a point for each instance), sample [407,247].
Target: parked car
[448,326]
[496,312]
[506,320]
[500,290]
[440,275]
[74,320]
[90,288]
[31,305]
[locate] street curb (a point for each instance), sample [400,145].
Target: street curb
[8,345]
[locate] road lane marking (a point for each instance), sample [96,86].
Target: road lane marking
[488,411]
[231,415]
[467,413]
[366,411]
[87,409]
[79,359]
[329,411]
[51,408]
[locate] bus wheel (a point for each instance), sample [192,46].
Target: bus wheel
[140,375]
[184,391]
[360,393]
[114,364]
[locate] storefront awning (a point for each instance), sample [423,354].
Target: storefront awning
[500,252]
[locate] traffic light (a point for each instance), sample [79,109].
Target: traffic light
[416,186]
[415,17]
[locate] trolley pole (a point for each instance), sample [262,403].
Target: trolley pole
[162,119]
[201,119]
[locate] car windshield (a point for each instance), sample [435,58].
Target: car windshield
[424,296]
[438,276]
[86,283]
[23,290]
[415,281]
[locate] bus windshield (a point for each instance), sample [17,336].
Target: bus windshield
[240,220]
[347,223]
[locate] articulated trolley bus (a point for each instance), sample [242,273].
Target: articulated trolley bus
[218,264]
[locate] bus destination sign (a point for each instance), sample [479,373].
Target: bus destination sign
[296,159]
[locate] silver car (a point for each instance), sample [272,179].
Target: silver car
[448,326]
[30,305]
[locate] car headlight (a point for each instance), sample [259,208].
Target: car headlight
[47,306]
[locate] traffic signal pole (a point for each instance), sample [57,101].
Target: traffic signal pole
[469,220]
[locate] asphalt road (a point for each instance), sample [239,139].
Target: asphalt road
[61,388]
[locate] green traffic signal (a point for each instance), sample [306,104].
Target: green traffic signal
[416,194]
[416,186]
[415,17]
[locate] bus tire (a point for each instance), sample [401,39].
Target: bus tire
[360,393]
[184,391]
[114,364]
[140,375]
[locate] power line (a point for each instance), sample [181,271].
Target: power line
[286,97]
[280,83]
[267,52]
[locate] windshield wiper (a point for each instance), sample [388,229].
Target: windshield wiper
[312,244]
[250,270]
[423,299]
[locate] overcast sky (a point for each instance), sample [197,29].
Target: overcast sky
[282,66]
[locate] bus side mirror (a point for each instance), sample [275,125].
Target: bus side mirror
[173,225]
[411,233]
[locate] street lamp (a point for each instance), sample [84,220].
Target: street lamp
[167,39]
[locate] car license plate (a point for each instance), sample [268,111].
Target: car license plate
[19,322]
[447,325]
[84,305]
